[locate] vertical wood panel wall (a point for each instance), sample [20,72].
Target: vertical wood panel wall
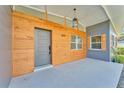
[23,43]
[104,41]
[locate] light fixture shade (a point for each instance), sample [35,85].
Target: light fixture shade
[75,23]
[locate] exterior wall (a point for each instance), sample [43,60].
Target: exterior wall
[23,43]
[99,29]
[5,46]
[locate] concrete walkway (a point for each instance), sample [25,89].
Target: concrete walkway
[121,81]
[85,73]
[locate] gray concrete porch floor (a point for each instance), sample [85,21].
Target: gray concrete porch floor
[121,81]
[84,73]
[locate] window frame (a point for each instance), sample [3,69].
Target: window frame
[95,42]
[76,42]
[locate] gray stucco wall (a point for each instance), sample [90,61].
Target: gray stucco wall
[99,29]
[5,45]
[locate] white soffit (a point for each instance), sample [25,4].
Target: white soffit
[88,14]
[116,12]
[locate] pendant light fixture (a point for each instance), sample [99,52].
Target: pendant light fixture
[75,19]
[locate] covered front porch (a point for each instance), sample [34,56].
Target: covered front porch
[84,73]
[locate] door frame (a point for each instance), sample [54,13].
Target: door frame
[50,43]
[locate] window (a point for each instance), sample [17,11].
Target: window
[96,42]
[76,42]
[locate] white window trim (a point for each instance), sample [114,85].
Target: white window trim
[95,42]
[77,42]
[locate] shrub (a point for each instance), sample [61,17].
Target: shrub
[120,58]
[120,51]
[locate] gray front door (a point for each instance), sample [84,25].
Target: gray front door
[42,47]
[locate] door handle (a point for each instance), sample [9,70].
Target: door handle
[49,49]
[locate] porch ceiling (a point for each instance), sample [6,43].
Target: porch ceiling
[88,14]
[116,13]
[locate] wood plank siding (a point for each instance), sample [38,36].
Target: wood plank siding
[23,42]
